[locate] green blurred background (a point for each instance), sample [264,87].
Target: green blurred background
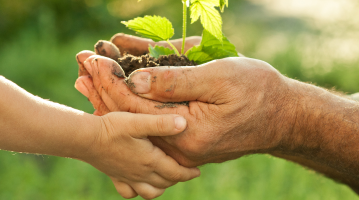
[309,40]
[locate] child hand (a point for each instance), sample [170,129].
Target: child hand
[137,167]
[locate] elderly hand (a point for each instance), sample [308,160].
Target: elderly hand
[237,106]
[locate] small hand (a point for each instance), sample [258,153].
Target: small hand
[135,165]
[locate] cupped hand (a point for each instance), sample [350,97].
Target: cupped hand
[135,165]
[237,106]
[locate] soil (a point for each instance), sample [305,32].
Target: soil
[171,104]
[130,63]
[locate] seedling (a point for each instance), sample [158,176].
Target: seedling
[214,44]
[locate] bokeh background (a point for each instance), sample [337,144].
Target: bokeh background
[314,41]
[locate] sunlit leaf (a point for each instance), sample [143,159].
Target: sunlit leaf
[157,51]
[211,48]
[153,27]
[210,17]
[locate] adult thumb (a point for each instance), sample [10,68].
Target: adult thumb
[178,84]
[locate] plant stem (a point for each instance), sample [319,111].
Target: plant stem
[173,47]
[184,24]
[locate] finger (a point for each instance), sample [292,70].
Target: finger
[97,113]
[81,57]
[159,182]
[138,46]
[177,84]
[124,189]
[147,191]
[131,44]
[84,84]
[81,87]
[107,49]
[169,169]
[144,125]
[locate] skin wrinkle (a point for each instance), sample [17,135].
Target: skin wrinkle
[186,79]
[173,88]
[192,109]
[217,98]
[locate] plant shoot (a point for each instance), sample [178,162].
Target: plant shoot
[214,44]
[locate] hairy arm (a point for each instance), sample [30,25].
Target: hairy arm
[325,134]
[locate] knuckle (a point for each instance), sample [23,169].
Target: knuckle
[129,125]
[176,176]
[133,126]
[166,81]
[149,163]
[136,176]
[162,125]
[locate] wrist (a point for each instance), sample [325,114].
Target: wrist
[84,139]
[307,106]
[283,108]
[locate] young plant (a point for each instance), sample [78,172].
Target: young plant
[214,44]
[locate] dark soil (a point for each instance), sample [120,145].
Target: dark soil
[130,63]
[171,104]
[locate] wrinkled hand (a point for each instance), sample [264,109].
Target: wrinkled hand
[237,106]
[135,165]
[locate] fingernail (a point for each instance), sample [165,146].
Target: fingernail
[81,87]
[180,123]
[141,82]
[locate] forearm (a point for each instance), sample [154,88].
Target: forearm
[325,133]
[34,125]
[323,169]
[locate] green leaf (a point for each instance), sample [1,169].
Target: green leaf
[211,48]
[223,3]
[157,51]
[153,27]
[210,17]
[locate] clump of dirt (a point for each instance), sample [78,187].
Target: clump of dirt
[171,104]
[130,63]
